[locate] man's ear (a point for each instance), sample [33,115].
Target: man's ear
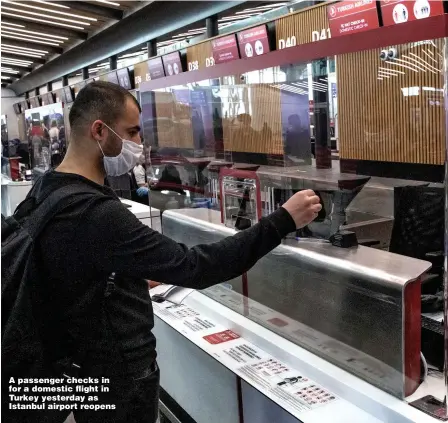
[97,130]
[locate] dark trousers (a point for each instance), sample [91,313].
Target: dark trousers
[135,398]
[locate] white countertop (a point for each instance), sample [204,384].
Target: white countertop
[141,211]
[7,181]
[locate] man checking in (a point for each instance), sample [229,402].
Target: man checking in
[95,238]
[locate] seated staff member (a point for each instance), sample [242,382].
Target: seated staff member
[140,177]
[86,243]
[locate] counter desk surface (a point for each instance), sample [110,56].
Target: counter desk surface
[342,293]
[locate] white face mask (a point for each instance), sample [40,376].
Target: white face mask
[127,159]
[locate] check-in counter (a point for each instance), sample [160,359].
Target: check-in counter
[356,308]
[149,216]
[13,193]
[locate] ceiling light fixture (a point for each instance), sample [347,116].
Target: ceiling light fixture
[425,63]
[21,61]
[33,37]
[16,60]
[411,64]
[5,77]
[42,15]
[21,53]
[430,56]
[24,48]
[20,65]
[404,66]
[23,4]
[391,70]
[6,69]
[51,4]
[384,73]
[12,24]
[108,2]
[40,20]
[35,32]
[31,40]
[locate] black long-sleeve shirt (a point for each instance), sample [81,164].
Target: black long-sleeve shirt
[88,241]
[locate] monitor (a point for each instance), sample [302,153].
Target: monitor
[68,94]
[172,63]
[123,78]
[155,68]
[16,107]
[112,77]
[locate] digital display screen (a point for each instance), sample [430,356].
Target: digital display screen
[225,49]
[254,41]
[350,17]
[112,77]
[49,98]
[155,67]
[123,78]
[34,102]
[16,107]
[68,95]
[172,63]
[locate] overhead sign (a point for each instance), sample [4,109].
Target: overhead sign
[395,11]
[200,56]
[123,78]
[155,67]
[172,64]
[350,17]
[141,73]
[254,41]
[225,49]
[112,77]
[308,25]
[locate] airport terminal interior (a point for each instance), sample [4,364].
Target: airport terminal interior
[243,104]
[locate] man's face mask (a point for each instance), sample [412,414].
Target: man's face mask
[125,161]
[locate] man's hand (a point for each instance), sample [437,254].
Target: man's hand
[303,207]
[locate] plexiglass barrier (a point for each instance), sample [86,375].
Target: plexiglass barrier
[369,136]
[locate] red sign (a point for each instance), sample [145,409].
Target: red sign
[396,11]
[225,49]
[254,41]
[172,64]
[155,68]
[349,17]
[220,337]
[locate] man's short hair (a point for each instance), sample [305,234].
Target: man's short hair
[99,100]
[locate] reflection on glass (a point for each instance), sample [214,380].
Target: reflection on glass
[5,146]
[46,136]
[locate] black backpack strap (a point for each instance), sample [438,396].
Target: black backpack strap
[42,212]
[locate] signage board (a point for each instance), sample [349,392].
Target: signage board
[123,78]
[225,49]
[200,56]
[172,63]
[112,77]
[16,107]
[34,102]
[24,105]
[141,73]
[350,17]
[396,11]
[49,98]
[155,68]
[68,95]
[254,41]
